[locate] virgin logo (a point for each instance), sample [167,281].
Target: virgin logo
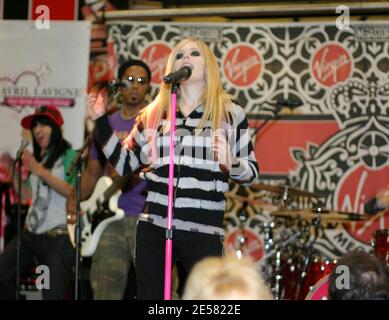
[156,56]
[242,65]
[358,187]
[331,64]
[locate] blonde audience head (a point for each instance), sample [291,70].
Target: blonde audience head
[225,278]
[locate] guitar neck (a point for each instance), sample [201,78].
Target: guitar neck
[117,184]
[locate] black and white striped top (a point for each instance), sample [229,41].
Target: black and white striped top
[199,201]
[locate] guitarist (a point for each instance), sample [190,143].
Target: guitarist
[115,251]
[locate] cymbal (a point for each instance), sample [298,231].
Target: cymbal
[324,214]
[283,188]
[250,201]
[254,202]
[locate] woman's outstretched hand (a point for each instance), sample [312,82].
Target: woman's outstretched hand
[222,153]
[97,103]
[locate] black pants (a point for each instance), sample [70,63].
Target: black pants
[188,247]
[55,252]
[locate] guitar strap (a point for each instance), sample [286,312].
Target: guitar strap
[67,159]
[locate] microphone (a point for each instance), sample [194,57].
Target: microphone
[288,103]
[77,161]
[182,74]
[372,207]
[23,146]
[111,86]
[114,85]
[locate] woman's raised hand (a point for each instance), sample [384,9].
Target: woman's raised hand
[97,103]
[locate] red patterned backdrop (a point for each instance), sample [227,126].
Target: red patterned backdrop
[336,143]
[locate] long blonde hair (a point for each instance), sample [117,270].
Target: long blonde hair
[214,99]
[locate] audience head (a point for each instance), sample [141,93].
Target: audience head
[225,278]
[359,276]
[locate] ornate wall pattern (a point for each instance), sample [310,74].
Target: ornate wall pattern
[336,143]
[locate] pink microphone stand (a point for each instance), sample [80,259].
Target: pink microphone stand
[169,229]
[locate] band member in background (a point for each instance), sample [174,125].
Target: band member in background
[115,251]
[44,240]
[214,145]
[379,203]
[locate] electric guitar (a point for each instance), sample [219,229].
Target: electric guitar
[99,211]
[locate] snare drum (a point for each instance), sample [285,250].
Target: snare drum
[381,244]
[318,268]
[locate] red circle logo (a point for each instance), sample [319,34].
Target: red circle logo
[245,241]
[331,64]
[156,55]
[242,65]
[359,186]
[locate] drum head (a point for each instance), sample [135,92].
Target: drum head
[319,290]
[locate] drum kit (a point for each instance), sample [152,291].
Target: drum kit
[287,259]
